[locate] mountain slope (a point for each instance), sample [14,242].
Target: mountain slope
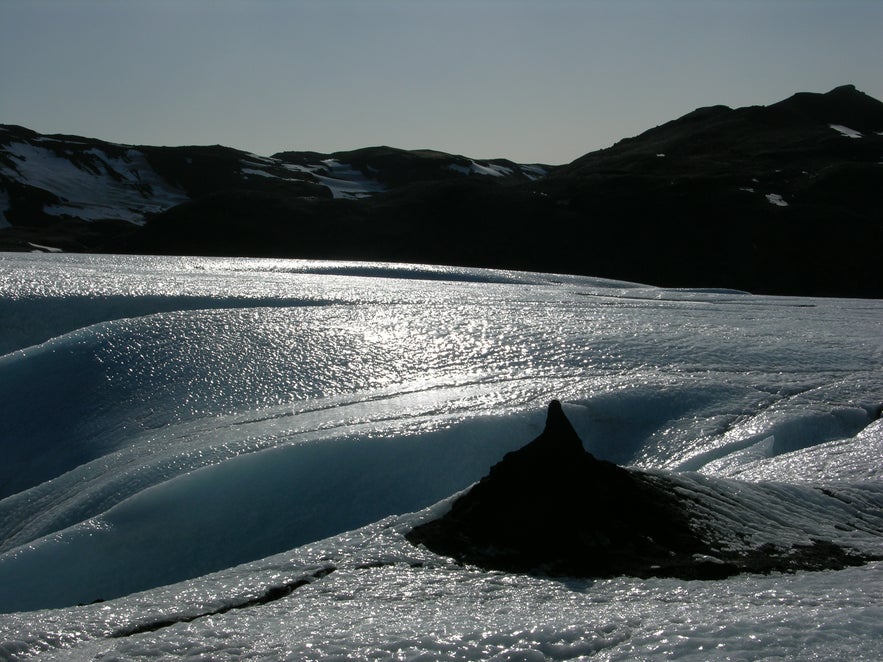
[779,199]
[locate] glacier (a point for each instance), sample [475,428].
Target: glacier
[219,458]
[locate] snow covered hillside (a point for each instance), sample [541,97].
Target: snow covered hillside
[220,457]
[89,182]
[72,193]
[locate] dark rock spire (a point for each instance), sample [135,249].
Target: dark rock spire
[552,508]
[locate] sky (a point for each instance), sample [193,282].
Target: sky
[535,81]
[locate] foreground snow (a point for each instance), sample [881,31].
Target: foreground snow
[167,418]
[388,600]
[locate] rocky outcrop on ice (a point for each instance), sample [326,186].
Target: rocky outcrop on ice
[780,199]
[551,508]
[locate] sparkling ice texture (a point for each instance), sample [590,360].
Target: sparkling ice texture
[181,436]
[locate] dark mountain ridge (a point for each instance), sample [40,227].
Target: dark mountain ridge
[781,199]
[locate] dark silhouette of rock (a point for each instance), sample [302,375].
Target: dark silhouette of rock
[551,508]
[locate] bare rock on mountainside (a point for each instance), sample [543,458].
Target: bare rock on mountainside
[551,508]
[778,199]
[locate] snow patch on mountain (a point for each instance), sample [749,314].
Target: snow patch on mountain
[41,248]
[264,159]
[308,169]
[260,173]
[344,181]
[92,184]
[846,131]
[489,170]
[533,172]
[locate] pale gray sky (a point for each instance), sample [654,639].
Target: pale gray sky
[530,80]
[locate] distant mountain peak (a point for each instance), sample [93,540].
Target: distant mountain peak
[844,105]
[848,88]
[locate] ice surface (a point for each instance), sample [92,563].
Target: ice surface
[164,418]
[388,600]
[310,487]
